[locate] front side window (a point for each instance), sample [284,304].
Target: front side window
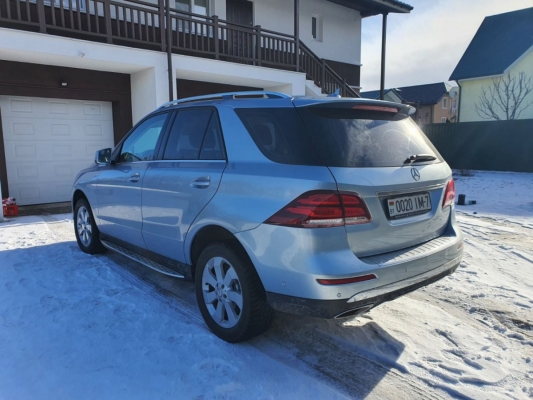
[195,135]
[445,103]
[141,143]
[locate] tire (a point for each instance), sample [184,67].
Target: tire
[232,301]
[87,234]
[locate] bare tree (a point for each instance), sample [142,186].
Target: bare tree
[505,96]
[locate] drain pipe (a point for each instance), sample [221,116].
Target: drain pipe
[169,51]
[459,102]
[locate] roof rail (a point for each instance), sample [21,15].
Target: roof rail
[228,96]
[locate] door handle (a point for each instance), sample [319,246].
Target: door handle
[135,177]
[201,183]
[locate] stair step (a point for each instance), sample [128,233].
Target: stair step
[141,259]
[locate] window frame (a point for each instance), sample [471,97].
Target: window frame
[445,103]
[118,148]
[443,120]
[316,20]
[191,7]
[168,131]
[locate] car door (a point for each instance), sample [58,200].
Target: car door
[119,184]
[179,185]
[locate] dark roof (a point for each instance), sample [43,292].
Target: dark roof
[421,94]
[374,94]
[499,42]
[368,8]
[371,94]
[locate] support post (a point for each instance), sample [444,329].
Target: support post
[383,50]
[323,77]
[215,36]
[161,6]
[40,15]
[107,16]
[297,33]
[344,91]
[169,51]
[258,52]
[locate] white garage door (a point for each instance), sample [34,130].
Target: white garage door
[47,141]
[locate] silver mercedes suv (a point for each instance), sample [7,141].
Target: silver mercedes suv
[320,207]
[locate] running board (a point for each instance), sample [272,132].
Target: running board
[141,259]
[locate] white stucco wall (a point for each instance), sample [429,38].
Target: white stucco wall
[147,68]
[471,90]
[341,26]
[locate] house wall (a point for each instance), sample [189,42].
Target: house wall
[439,112]
[147,69]
[341,26]
[471,90]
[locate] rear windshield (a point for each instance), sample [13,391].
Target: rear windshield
[356,138]
[280,134]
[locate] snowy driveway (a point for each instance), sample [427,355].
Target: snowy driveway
[74,326]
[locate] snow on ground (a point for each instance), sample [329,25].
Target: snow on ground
[74,326]
[499,195]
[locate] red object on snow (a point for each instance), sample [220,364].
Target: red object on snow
[10,207]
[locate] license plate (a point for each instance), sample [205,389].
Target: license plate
[407,206]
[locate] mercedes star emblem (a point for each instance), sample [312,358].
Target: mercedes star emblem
[415,174]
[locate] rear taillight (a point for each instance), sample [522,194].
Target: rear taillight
[449,194]
[322,209]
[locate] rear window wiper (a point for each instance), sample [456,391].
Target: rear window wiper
[419,158]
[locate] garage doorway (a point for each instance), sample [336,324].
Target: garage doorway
[48,141]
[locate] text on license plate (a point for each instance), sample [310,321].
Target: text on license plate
[401,207]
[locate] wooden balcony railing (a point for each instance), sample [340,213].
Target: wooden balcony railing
[142,24]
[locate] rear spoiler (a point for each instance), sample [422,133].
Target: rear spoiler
[376,107]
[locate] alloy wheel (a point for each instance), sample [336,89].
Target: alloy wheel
[83,223]
[222,292]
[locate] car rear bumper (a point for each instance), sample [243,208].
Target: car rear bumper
[362,301]
[291,261]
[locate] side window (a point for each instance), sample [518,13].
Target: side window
[140,145]
[213,149]
[280,134]
[194,135]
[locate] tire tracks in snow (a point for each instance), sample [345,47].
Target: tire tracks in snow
[293,341]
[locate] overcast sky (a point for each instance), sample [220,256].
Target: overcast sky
[425,45]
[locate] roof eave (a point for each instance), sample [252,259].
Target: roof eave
[368,8]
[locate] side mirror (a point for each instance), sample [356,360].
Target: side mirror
[102,157]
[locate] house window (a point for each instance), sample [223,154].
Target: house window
[316,27]
[445,103]
[66,4]
[443,120]
[194,6]
[454,104]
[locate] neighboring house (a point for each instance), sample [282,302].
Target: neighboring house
[435,103]
[502,45]
[388,95]
[75,75]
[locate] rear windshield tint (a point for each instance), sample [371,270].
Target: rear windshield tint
[356,138]
[280,134]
